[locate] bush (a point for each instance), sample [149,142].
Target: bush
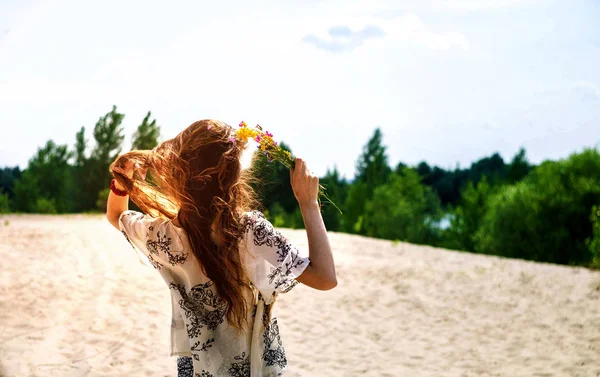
[26,193]
[45,206]
[593,243]
[282,219]
[466,219]
[354,208]
[546,217]
[102,198]
[4,202]
[403,209]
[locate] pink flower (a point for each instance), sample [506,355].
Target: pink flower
[209,127]
[269,134]
[257,139]
[232,139]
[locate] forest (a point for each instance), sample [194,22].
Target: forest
[548,212]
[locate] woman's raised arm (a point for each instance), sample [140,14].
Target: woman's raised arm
[320,273]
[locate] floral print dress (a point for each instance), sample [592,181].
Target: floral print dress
[200,335]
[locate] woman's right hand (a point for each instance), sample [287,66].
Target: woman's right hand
[304,183]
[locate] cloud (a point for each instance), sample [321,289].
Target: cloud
[408,28]
[585,91]
[425,5]
[343,38]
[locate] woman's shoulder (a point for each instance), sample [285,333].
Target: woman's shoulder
[253,215]
[151,225]
[252,219]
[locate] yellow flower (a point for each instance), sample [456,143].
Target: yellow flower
[244,133]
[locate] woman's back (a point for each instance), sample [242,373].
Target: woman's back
[221,325]
[199,327]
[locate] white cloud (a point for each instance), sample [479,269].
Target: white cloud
[585,91]
[407,28]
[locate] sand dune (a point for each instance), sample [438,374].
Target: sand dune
[74,301]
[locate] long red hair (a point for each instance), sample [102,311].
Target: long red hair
[197,178]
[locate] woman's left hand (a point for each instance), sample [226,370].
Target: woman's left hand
[126,170]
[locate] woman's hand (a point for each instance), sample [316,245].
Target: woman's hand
[304,183]
[128,169]
[125,169]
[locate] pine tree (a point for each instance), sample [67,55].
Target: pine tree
[82,179]
[372,170]
[109,137]
[80,147]
[519,167]
[147,134]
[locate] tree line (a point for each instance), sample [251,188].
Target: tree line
[549,212]
[59,179]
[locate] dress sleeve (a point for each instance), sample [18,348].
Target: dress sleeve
[274,263]
[137,229]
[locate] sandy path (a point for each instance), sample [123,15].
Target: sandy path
[74,301]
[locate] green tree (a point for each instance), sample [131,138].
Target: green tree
[272,182]
[492,167]
[4,202]
[399,167]
[335,188]
[8,176]
[283,219]
[46,206]
[27,192]
[546,216]
[103,198]
[372,170]
[80,148]
[468,215]
[403,209]
[47,177]
[593,243]
[82,179]
[372,166]
[518,168]
[354,208]
[448,184]
[108,136]
[147,134]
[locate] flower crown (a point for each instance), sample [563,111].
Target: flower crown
[270,149]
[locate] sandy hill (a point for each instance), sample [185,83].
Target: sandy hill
[75,301]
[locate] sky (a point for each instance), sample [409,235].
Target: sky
[447,81]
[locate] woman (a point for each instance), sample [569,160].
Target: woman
[223,262]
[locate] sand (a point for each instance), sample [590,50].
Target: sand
[75,301]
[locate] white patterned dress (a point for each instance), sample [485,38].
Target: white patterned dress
[199,329]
